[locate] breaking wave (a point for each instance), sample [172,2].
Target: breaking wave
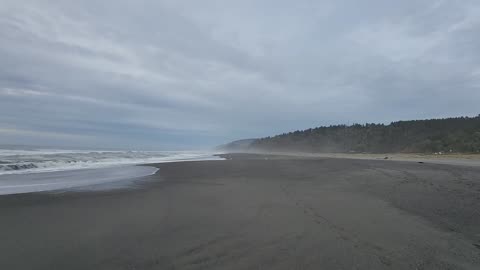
[40,160]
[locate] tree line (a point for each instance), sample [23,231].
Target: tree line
[448,135]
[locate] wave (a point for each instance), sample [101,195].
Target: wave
[29,161]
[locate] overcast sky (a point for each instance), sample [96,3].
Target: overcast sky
[191,74]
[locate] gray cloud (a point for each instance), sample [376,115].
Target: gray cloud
[170,74]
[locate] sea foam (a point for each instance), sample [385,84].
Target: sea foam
[49,160]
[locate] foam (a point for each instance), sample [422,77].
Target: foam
[33,161]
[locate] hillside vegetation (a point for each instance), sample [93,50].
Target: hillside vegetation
[450,135]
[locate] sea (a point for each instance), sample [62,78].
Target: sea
[36,169]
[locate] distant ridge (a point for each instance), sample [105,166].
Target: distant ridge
[240,145]
[448,135]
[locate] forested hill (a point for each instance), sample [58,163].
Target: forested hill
[458,135]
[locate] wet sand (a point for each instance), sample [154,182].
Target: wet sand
[255,212]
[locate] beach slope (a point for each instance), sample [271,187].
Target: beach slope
[255,212]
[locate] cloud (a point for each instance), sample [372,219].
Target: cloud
[169,74]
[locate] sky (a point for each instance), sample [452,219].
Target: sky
[180,74]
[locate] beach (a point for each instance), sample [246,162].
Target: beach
[255,212]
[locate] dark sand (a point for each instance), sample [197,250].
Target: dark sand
[255,212]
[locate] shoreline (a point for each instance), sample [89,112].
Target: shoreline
[74,180]
[255,212]
[447,159]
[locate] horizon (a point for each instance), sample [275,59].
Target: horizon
[212,148]
[184,75]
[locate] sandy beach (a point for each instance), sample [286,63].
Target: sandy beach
[255,212]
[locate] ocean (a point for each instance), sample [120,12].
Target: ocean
[35,169]
[20,161]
